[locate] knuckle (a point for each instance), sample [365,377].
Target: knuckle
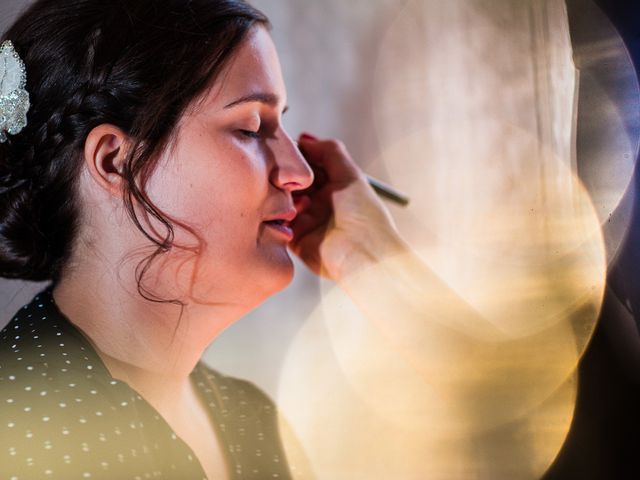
[336,146]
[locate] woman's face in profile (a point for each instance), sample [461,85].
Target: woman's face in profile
[231,168]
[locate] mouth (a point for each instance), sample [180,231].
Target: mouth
[280,227]
[280,223]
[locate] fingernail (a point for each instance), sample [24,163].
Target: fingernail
[308,136]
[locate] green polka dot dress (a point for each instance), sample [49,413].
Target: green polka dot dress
[63,416]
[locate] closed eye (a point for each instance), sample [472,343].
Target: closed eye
[250,134]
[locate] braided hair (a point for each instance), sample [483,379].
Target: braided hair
[135,64]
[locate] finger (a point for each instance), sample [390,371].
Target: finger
[317,209]
[305,224]
[301,202]
[308,245]
[332,156]
[323,196]
[319,200]
[308,222]
[320,177]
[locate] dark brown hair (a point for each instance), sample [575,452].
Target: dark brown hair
[136,64]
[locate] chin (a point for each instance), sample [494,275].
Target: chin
[259,288]
[281,276]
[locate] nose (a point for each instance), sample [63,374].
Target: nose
[291,172]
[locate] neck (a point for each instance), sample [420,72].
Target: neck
[146,344]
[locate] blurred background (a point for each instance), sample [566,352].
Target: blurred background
[513,126]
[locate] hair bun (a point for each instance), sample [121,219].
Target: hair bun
[34,233]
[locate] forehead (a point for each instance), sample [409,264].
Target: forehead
[253,68]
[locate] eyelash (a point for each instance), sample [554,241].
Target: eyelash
[251,134]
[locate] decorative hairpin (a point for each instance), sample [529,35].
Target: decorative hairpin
[14,99]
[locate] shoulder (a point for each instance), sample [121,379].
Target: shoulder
[236,393]
[249,412]
[59,408]
[243,408]
[41,351]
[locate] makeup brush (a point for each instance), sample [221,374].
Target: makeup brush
[388,192]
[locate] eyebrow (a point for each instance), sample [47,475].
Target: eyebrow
[270,99]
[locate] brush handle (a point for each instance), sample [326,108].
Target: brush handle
[388,192]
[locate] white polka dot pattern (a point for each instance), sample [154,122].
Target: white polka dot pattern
[63,416]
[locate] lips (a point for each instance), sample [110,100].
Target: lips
[280,223]
[281,229]
[283,217]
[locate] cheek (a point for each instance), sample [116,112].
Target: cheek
[222,221]
[224,186]
[217,187]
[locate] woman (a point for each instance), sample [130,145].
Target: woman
[155,186]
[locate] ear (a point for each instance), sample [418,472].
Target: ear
[105,151]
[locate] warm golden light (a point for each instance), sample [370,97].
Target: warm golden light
[470,373]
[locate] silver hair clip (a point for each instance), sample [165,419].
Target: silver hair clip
[14,99]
